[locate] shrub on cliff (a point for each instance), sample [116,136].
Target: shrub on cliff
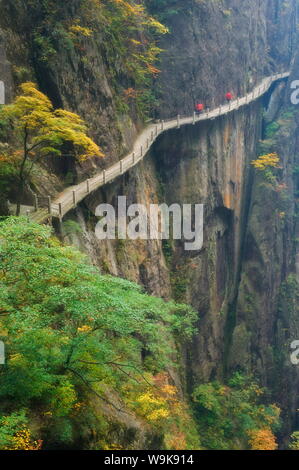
[234,416]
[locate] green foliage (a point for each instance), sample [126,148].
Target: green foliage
[44,46]
[71,227]
[272,129]
[275,128]
[288,297]
[9,426]
[164,9]
[179,284]
[72,334]
[294,444]
[226,415]
[167,251]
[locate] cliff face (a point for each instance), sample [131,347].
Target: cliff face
[265,321]
[216,47]
[241,282]
[81,73]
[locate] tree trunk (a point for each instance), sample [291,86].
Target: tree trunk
[20,196]
[21,175]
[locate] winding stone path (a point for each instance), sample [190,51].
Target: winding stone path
[72,195]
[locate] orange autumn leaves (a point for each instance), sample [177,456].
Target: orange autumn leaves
[262,439]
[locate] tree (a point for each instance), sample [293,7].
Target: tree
[73,337]
[37,129]
[262,439]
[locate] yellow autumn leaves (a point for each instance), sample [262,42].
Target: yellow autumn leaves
[77,30]
[47,128]
[269,160]
[23,441]
[84,329]
[156,406]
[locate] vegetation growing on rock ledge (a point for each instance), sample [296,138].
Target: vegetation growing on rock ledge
[233,416]
[124,29]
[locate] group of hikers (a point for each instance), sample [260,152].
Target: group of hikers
[199,107]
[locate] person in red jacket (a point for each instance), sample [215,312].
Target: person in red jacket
[229,96]
[199,107]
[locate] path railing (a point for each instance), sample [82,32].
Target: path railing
[71,196]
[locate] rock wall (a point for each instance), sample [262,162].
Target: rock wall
[265,321]
[205,164]
[242,281]
[220,46]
